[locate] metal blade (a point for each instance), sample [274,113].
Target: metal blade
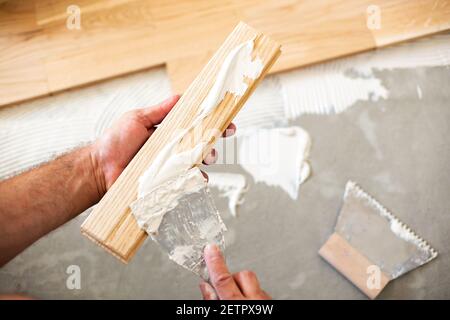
[188,228]
[379,235]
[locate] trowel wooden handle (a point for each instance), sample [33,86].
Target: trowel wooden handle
[354,265]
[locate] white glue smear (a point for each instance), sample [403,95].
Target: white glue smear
[236,68]
[231,185]
[326,90]
[182,254]
[150,209]
[277,157]
[334,86]
[191,219]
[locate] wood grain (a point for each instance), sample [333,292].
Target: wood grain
[111,223]
[401,20]
[351,263]
[39,55]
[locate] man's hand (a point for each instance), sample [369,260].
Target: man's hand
[242,285]
[40,200]
[112,152]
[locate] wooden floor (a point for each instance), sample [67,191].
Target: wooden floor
[39,55]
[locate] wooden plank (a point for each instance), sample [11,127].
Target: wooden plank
[22,69]
[314,31]
[401,21]
[122,36]
[111,223]
[154,32]
[309,31]
[352,264]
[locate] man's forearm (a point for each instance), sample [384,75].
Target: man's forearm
[38,201]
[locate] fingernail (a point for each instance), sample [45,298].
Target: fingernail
[229,132]
[211,249]
[211,157]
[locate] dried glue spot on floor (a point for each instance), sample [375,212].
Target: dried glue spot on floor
[277,157]
[231,185]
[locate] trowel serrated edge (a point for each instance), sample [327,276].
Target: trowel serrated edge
[351,186]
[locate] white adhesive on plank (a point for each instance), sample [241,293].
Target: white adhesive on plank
[236,68]
[277,157]
[167,165]
[264,108]
[231,185]
[149,210]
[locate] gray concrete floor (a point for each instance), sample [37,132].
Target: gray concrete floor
[396,149]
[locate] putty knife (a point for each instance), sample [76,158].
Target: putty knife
[188,227]
[370,246]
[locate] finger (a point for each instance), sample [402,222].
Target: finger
[230,130]
[208,292]
[248,283]
[221,279]
[211,157]
[153,115]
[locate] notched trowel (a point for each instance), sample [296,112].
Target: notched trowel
[370,246]
[191,222]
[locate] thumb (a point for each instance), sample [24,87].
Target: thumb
[220,277]
[153,115]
